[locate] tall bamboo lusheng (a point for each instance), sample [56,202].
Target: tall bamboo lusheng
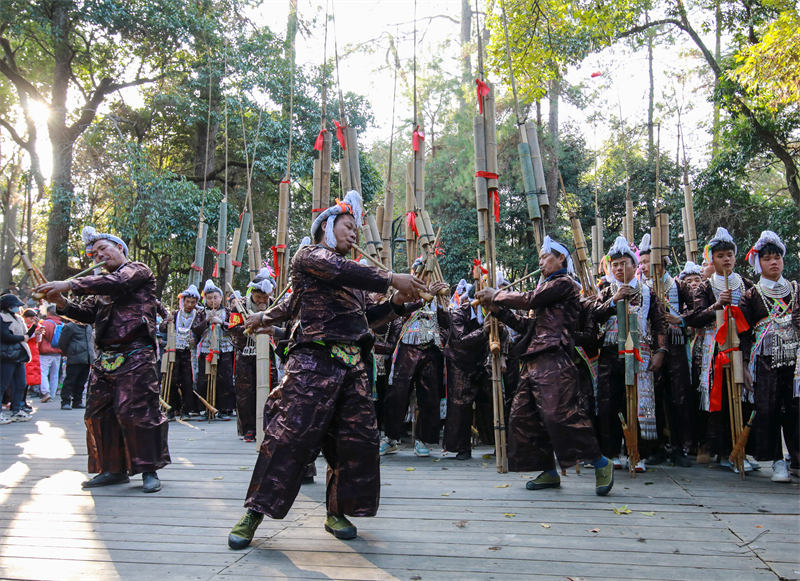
[39,296]
[733,366]
[212,365]
[659,251]
[388,207]
[689,230]
[628,348]
[321,183]
[486,193]
[533,190]
[263,381]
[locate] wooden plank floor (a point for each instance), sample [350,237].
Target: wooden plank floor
[439,519]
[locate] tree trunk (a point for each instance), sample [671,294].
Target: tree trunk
[717,54]
[10,230]
[552,161]
[62,142]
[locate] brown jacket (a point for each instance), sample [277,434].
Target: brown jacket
[555,303]
[122,306]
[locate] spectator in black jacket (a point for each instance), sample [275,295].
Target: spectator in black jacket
[76,343]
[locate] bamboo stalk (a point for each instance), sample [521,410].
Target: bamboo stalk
[538,168]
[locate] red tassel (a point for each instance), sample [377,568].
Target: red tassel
[483,90]
[416,137]
[496,195]
[411,219]
[715,395]
[340,134]
[320,140]
[275,262]
[634,352]
[738,316]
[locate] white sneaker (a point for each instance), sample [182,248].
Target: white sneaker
[780,472]
[421,450]
[726,463]
[640,467]
[4,418]
[752,462]
[20,416]
[620,462]
[389,446]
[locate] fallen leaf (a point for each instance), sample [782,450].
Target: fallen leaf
[218,477]
[648,513]
[445,494]
[484,465]
[509,514]
[410,469]
[594,531]
[415,578]
[437,459]
[494,548]
[544,525]
[460,524]
[244,468]
[648,483]
[759,527]
[502,485]
[486,456]
[576,578]
[622,510]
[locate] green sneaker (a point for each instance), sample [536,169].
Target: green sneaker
[245,529]
[604,479]
[340,527]
[544,480]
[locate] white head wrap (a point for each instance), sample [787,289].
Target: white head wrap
[90,236]
[263,282]
[767,237]
[461,289]
[210,287]
[690,269]
[352,204]
[644,245]
[620,248]
[191,292]
[549,246]
[722,235]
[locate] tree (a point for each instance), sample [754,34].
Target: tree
[88,48]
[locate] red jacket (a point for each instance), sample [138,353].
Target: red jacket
[33,369]
[49,328]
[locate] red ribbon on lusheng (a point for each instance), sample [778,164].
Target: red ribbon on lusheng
[215,272]
[634,352]
[211,354]
[483,90]
[197,268]
[487,174]
[340,134]
[411,220]
[715,395]
[496,195]
[477,263]
[416,137]
[738,316]
[215,251]
[320,140]
[596,74]
[285,182]
[318,209]
[236,263]
[276,266]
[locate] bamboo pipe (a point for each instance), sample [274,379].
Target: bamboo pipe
[537,272]
[428,297]
[39,296]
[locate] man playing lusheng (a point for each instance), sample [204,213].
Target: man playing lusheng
[547,415]
[126,433]
[324,400]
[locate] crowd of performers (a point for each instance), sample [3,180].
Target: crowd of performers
[362,363]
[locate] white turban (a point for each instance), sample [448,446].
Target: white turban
[352,204]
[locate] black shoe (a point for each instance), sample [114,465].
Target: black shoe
[27,409]
[464,455]
[66,406]
[78,406]
[250,436]
[656,458]
[105,479]
[681,458]
[150,482]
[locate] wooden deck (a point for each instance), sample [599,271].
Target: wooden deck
[439,519]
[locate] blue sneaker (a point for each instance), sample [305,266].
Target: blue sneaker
[421,450]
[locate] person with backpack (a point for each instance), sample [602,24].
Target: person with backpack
[76,343]
[50,354]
